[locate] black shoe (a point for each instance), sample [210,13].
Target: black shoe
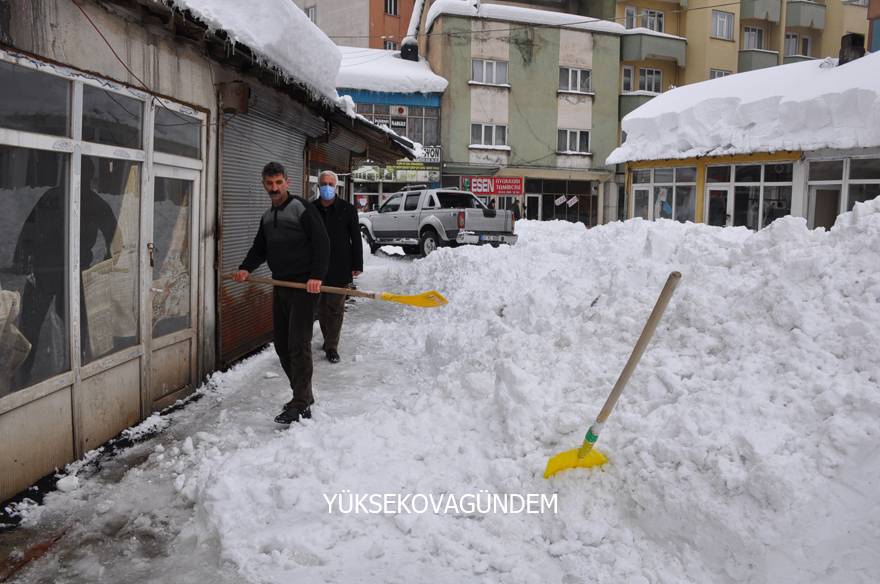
[332,356]
[291,415]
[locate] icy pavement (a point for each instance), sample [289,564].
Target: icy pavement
[743,450]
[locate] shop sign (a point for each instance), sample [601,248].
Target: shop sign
[572,202]
[559,200]
[493,185]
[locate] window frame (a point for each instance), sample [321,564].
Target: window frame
[312,13]
[719,73]
[651,19]
[630,17]
[389,45]
[493,132]
[578,74]
[790,37]
[392,8]
[722,22]
[646,73]
[753,32]
[631,70]
[652,184]
[485,63]
[577,139]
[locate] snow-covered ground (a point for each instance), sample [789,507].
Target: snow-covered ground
[743,450]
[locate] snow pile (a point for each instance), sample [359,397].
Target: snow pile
[475,9]
[279,32]
[800,106]
[743,449]
[381,70]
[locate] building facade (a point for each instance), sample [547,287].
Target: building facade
[375,24]
[874,25]
[531,110]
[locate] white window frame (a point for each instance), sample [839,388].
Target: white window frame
[491,65]
[651,19]
[576,134]
[792,39]
[654,75]
[722,25]
[574,80]
[753,37]
[490,130]
[623,84]
[629,17]
[733,183]
[312,13]
[719,73]
[808,41]
[650,187]
[389,45]
[391,8]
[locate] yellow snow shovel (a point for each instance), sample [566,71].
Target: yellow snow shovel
[586,456]
[429,299]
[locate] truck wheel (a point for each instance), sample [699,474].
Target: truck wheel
[365,233]
[429,241]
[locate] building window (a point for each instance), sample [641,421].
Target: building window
[716,73]
[791,44]
[722,25]
[650,80]
[390,45]
[627,78]
[489,72]
[753,37]
[391,7]
[652,20]
[665,193]
[864,181]
[629,18]
[312,13]
[573,141]
[806,44]
[574,80]
[488,135]
[761,194]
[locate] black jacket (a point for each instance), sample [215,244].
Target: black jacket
[346,249]
[293,241]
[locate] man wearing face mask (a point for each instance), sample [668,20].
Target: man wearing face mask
[346,258]
[293,241]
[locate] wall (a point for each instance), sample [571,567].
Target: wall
[347,22]
[381,24]
[704,52]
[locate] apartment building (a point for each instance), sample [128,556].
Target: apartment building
[375,24]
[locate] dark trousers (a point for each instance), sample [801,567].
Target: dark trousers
[292,311]
[331,311]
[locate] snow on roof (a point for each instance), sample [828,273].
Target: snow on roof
[649,32]
[279,32]
[475,9]
[801,106]
[381,70]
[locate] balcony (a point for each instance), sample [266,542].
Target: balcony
[796,59]
[751,59]
[630,101]
[769,10]
[805,13]
[638,46]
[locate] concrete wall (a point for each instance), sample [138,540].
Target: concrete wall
[450,57]
[703,51]
[841,19]
[606,85]
[347,22]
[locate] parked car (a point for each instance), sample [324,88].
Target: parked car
[422,220]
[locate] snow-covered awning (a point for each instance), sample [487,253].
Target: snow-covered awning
[385,71]
[280,33]
[475,9]
[797,107]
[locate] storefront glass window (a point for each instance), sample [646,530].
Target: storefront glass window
[826,170]
[718,174]
[864,169]
[177,133]
[112,119]
[32,101]
[748,173]
[663,202]
[640,200]
[686,174]
[859,193]
[171,255]
[34,341]
[641,176]
[745,207]
[109,234]
[776,203]
[685,203]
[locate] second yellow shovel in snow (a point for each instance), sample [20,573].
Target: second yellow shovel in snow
[586,456]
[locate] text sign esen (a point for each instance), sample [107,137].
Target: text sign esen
[493,185]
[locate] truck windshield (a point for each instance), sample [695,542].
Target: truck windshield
[459,201]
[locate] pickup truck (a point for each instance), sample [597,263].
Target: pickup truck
[422,220]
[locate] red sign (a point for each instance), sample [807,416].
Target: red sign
[493,185]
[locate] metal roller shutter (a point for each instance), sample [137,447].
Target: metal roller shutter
[275,128]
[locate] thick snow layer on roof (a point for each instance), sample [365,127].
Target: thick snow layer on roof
[280,33]
[649,32]
[380,70]
[802,106]
[517,14]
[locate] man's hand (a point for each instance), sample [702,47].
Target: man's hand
[355,273]
[241,276]
[313,286]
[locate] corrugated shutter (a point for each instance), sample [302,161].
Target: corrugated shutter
[275,128]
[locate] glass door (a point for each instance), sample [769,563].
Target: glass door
[533,206]
[642,203]
[824,206]
[718,202]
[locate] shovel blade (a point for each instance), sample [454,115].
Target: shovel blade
[429,299]
[569,459]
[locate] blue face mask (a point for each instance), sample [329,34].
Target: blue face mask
[327,192]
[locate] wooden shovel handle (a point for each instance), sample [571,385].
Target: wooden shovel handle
[641,345]
[286,284]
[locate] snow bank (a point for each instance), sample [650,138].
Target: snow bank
[279,32]
[800,106]
[474,9]
[380,70]
[743,449]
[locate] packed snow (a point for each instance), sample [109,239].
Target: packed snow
[381,70]
[279,32]
[744,448]
[800,106]
[503,12]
